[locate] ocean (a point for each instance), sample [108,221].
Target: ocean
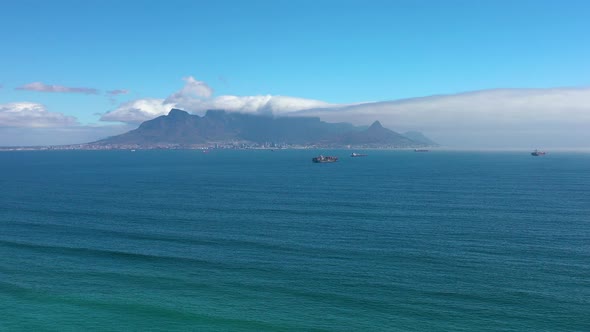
[262,240]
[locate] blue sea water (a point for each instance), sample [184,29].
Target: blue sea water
[268,241]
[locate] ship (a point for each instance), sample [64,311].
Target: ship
[354,154]
[537,153]
[324,159]
[421,150]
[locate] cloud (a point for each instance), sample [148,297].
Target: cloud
[32,115]
[11,136]
[42,87]
[499,116]
[192,90]
[118,92]
[145,109]
[255,104]
[137,111]
[195,97]
[480,108]
[495,118]
[31,124]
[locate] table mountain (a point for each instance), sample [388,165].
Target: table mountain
[218,126]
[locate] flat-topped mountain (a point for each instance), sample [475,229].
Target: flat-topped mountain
[217,126]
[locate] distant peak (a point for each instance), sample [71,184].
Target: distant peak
[376,125]
[177,112]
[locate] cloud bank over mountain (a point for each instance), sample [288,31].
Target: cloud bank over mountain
[196,97]
[139,110]
[479,109]
[495,117]
[553,117]
[498,117]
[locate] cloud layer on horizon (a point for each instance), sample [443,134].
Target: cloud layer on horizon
[479,108]
[29,124]
[487,117]
[493,118]
[517,115]
[32,115]
[11,136]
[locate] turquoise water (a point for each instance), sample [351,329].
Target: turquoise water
[268,241]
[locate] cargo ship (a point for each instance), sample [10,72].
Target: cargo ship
[537,153]
[324,159]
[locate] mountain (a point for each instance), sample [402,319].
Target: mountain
[218,126]
[376,135]
[417,136]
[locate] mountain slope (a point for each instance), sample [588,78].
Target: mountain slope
[377,135]
[417,136]
[182,128]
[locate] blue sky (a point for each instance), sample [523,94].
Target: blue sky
[338,52]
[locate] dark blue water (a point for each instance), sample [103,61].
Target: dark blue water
[261,240]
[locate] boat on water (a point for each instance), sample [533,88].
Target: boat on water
[421,150]
[354,154]
[537,153]
[324,159]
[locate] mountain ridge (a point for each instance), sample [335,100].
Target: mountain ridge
[179,127]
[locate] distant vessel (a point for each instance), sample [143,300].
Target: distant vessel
[354,154]
[421,150]
[324,159]
[537,153]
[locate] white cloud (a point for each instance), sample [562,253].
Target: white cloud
[32,115]
[256,104]
[500,116]
[28,123]
[42,87]
[145,109]
[195,97]
[137,111]
[192,90]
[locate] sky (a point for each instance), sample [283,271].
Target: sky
[466,73]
